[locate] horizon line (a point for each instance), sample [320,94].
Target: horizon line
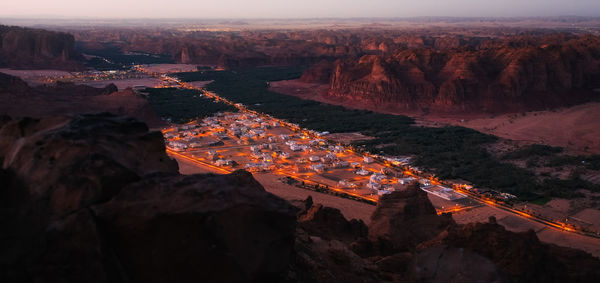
[58,17]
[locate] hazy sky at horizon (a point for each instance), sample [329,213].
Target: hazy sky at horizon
[294,8]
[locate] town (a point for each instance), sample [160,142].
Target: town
[260,144]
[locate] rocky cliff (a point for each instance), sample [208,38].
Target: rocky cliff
[36,48]
[522,73]
[95,198]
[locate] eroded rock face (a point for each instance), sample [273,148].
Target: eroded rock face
[329,223]
[80,161]
[405,219]
[322,250]
[36,48]
[95,198]
[320,260]
[521,255]
[318,73]
[516,74]
[443,264]
[408,242]
[202,227]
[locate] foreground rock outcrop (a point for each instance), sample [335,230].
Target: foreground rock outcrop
[95,198]
[404,220]
[199,228]
[408,242]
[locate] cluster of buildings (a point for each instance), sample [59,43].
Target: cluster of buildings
[265,144]
[258,143]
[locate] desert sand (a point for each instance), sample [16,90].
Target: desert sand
[579,127]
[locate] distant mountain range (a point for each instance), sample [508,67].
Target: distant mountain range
[515,74]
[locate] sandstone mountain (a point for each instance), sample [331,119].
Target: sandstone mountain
[446,70]
[35,48]
[517,74]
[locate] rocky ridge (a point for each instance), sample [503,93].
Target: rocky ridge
[517,74]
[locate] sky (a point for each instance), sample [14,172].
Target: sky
[252,9]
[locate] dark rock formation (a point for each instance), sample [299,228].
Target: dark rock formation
[95,198]
[318,73]
[520,255]
[207,228]
[405,219]
[56,154]
[409,242]
[36,48]
[443,264]
[319,260]
[329,223]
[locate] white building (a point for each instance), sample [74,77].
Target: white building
[341,164]
[374,186]
[319,168]
[178,145]
[223,162]
[314,158]
[376,178]
[346,184]
[406,181]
